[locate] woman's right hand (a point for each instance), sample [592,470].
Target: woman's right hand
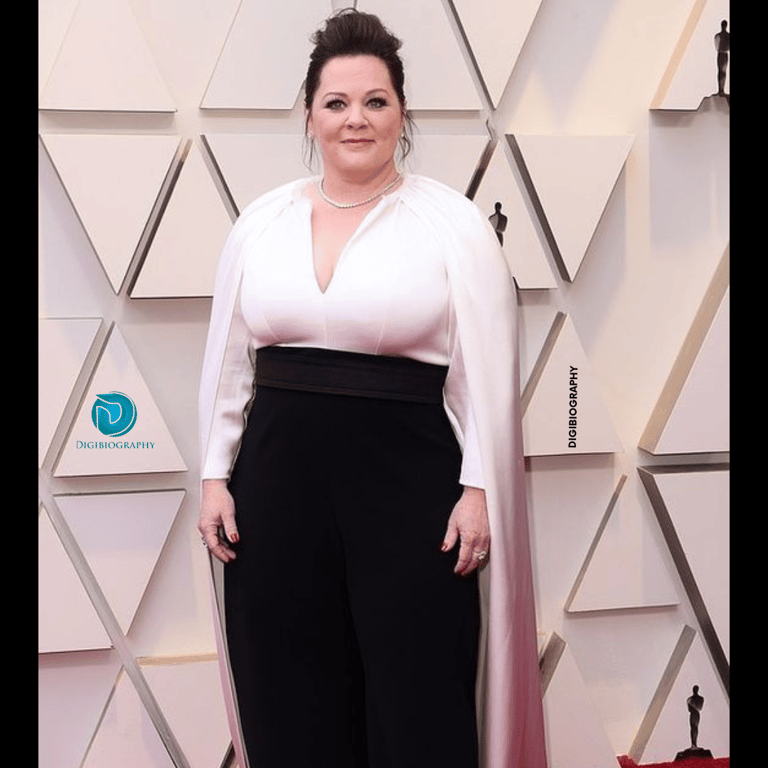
[217,509]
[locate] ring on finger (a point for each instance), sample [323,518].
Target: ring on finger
[480,554]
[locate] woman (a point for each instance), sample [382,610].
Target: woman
[353,486]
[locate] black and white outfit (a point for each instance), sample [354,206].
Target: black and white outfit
[347,422]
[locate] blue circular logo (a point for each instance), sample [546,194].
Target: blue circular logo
[113,414]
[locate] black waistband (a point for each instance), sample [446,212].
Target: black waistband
[337,372]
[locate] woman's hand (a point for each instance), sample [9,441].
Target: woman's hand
[217,509]
[469,524]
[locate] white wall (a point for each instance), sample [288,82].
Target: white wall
[128,672]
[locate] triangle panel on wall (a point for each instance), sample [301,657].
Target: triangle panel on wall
[451,159]
[661,694]
[672,722]
[52,25]
[563,408]
[126,737]
[496,32]
[575,735]
[624,567]
[438,73]
[263,33]
[693,506]
[121,536]
[499,193]
[188,691]
[700,420]
[571,178]
[181,260]
[147,447]
[692,414]
[113,182]
[67,620]
[62,348]
[694,70]
[252,164]
[105,64]
[73,690]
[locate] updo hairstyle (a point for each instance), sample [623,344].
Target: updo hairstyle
[353,33]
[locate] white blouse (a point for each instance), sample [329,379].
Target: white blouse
[389,295]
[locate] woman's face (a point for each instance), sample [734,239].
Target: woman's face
[356,117]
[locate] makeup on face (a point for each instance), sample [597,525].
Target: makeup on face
[356,117]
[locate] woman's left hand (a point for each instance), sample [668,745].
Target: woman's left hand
[468,524]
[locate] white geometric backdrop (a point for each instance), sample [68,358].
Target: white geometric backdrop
[594,128]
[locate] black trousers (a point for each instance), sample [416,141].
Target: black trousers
[352,642]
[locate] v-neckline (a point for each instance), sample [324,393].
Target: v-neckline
[324,290]
[339,258]
[311,247]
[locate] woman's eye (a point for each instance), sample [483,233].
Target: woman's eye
[377,102]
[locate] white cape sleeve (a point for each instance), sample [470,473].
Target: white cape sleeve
[509,690]
[246,231]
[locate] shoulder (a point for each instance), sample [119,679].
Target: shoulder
[451,211]
[472,249]
[424,187]
[269,204]
[249,226]
[442,201]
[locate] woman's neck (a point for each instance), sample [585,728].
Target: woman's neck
[351,187]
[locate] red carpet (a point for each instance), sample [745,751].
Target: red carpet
[714,762]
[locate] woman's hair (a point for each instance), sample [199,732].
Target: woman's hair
[354,33]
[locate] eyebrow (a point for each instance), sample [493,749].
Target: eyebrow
[367,93]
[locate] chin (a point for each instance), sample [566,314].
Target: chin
[361,162]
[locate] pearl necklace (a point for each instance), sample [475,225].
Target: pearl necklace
[362,202]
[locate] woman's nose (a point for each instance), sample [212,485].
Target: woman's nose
[356,116]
